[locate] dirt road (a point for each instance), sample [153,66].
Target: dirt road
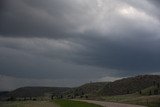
[28,104]
[110,104]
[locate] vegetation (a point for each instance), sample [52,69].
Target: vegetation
[130,85]
[33,93]
[71,103]
[149,97]
[60,103]
[149,101]
[120,87]
[89,89]
[153,90]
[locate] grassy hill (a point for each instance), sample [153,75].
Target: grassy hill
[37,91]
[129,85]
[153,90]
[86,89]
[119,87]
[149,97]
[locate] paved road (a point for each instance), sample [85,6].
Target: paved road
[110,104]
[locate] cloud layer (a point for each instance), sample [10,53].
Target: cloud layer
[78,40]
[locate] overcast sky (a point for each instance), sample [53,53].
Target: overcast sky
[71,42]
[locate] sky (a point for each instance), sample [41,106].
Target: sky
[71,42]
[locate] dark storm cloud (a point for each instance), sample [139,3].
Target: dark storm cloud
[129,56]
[58,18]
[27,18]
[2,4]
[76,38]
[155,2]
[50,18]
[42,58]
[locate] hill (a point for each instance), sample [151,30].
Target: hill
[37,91]
[153,90]
[91,88]
[119,87]
[144,84]
[86,89]
[129,85]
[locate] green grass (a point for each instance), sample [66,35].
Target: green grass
[150,90]
[71,103]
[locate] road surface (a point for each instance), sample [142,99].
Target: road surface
[110,104]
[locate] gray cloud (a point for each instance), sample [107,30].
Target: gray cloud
[42,58]
[11,83]
[129,56]
[51,18]
[155,2]
[75,39]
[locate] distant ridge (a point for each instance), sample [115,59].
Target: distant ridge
[37,91]
[143,83]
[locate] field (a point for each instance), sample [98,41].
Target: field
[28,104]
[149,101]
[70,103]
[56,103]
